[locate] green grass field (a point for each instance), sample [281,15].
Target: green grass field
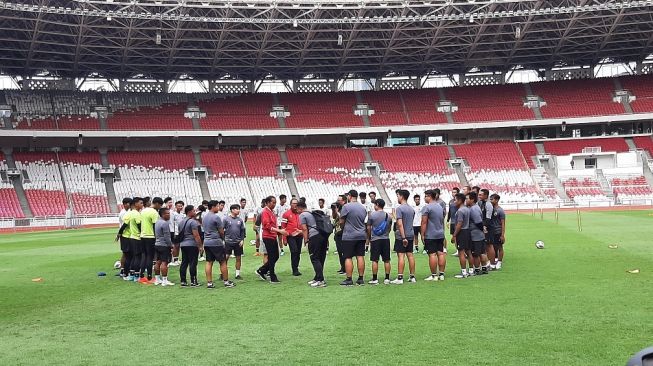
[572,303]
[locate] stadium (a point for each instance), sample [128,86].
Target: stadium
[282,118]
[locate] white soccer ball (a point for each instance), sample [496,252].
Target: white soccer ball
[116,265]
[539,244]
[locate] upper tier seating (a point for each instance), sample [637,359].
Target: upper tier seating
[61,123]
[388,110]
[421,106]
[239,112]
[165,117]
[577,98]
[641,86]
[309,110]
[575,146]
[489,103]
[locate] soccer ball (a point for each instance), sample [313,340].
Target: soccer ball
[539,244]
[116,265]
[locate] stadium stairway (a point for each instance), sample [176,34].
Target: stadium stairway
[359,99]
[631,143]
[560,189]
[375,176]
[201,176]
[290,178]
[536,110]
[604,184]
[448,114]
[18,184]
[280,120]
[459,168]
[618,86]
[108,182]
[69,201]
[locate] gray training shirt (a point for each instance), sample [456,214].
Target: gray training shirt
[306,218]
[234,230]
[406,214]
[162,233]
[434,228]
[212,224]
[498,214]
[188,225]
[462,215]
[476,217]
[376,218]
[354,214]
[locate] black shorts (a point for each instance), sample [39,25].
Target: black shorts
[125,244]
[380,248]
[234,248]
[434,245]
[163,254]
[214,254]
[353,248]
[400,248]
[136,247]
[417,230]
[464,240]
[478,248]
[148,243]
[495,239]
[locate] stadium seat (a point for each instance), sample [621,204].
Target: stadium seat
[308,110]
[489,103]
[328,172]
[499,167]
[577,98]
[571,146]
[239,112]
[644,142]
[387,106]
[416,168]
[640,87]
[262,170]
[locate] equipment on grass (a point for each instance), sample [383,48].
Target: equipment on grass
[116,265]
[539,244]
[101,274]
[642,358]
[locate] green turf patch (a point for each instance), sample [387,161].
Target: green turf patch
[572,303]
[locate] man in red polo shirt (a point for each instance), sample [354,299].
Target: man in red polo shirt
[269,232]
[290,222]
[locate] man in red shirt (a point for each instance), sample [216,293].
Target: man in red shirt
[269,232]
[290,222]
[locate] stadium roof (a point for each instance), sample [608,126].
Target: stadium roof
[293,39]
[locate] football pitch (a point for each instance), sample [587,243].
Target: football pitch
[572,303]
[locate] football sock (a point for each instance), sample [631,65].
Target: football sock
[374,277]
[237,272]
[387,276]
[400,276]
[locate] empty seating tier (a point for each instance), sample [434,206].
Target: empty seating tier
[529,151]
[312,110]
[577,98]
[489,103]
[641,87]
[576,146]
[240,112]
[644,142]
[387,106]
